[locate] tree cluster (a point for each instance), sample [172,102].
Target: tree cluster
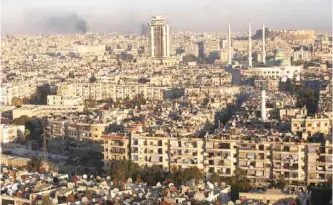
[180,176]
[305,96]
[35,164]
[121,170]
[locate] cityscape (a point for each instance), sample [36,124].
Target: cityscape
[166,116]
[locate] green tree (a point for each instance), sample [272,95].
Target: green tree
[215,178]
[35,164]
[46,200]
[124,169]
[181,176]
[27,132]
[239,181]
[307,97]
[22,120]
[281,183]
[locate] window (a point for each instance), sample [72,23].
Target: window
[318,124]
[325,124]
[309,124]
[295,124]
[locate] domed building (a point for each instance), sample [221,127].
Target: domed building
[279,59]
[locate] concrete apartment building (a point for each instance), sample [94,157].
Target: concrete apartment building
[10,133]
[22,89]
[289,163]
[159,38]
[45,110]
[75,128]
[220,157]
[101,91]
[319,160]
[309,126]
[276,72]
[299,163]
[61,100]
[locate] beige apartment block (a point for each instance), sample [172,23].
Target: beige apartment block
[75,129]
[289,113]
[10,133]
[319,162]
[254,158]
[298,163]
[186,152]
[115,148]
[149,151]
[45,110]
[310,126]
[99,91]
[289,163]
[220,157]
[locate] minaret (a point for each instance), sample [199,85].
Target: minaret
[250,46]
[263,102]
[263,44]
[229,45]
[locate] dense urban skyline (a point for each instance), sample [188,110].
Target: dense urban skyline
[20,17]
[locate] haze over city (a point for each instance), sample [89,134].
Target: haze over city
[37,16]
[174,102]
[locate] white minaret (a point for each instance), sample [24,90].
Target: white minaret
[250,46]
[263,103]
[229,45]
[263,44]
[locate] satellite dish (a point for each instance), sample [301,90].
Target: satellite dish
[115,190]
[55,201]
[159,184]
[84,199]
[210,185]
[238,202]
[140,195]
[85,176]
[171,184]
[129,180]
[108,178]
[231,203]
[92,176]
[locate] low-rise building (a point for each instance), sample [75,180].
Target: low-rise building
[310,125]
[10,133]
[46,110]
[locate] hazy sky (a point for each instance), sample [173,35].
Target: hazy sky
[38,16]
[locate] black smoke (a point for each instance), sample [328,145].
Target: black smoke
[67,23]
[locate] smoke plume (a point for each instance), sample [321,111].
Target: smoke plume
[67,23]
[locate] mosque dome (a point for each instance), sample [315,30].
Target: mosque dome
[283,62]
[270,59]
[279,53]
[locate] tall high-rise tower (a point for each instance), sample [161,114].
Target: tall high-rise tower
[159,38]
[263,44]
[263,102]
[229,46]
[250,46]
